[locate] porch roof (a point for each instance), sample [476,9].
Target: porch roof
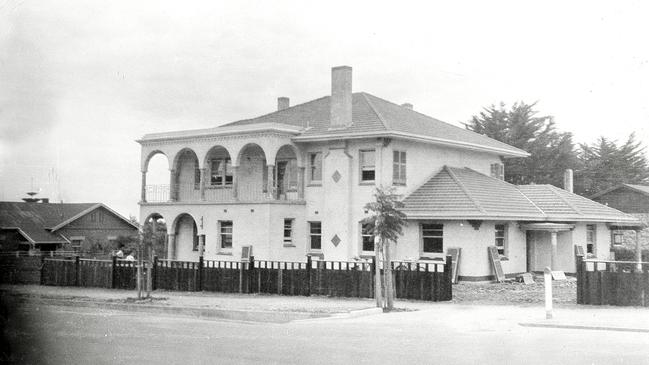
[463,193]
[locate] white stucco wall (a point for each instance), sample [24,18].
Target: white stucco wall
[474,259]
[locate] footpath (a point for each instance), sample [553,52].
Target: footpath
[283,309]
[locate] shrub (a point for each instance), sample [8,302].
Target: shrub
[628,254]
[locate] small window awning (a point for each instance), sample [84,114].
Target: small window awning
[547,226]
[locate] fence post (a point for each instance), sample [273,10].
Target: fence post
[113,279]
[76,270]
[580,279]
[251,272]
[154,273]
[308,276]
[448,277]
[199,287]
[42,270]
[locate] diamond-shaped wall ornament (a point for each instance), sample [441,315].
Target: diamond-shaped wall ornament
[336,176]
[335,240]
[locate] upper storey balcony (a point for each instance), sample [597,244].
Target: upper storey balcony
[255,164]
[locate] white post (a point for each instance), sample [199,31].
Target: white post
[547,280]
[554,254]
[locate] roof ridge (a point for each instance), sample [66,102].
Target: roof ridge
[441,121]
[555,192]
[378,115]
[464,188]
[515,186]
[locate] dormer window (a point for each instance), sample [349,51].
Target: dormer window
[367,165]
[498,171]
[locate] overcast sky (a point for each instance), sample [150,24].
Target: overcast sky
[81,80]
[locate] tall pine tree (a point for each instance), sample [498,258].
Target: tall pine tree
[605,164]
[551,152]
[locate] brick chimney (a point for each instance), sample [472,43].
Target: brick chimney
[568,180]
[283,102]
[407,106]
[341,97]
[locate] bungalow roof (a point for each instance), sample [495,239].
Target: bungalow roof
[463,193]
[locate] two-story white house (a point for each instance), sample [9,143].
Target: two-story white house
[294,183]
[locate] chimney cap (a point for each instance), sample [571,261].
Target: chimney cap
[407,105]
[341,68]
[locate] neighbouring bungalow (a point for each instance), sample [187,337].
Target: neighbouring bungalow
[294,182]
[634,200]
[45,226]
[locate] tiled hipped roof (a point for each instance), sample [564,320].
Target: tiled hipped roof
[462,193]
[371,114]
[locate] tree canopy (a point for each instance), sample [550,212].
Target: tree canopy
[606,163]
[551,152]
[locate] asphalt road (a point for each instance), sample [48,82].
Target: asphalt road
[41,334]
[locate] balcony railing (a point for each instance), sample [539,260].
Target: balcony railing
[223,194]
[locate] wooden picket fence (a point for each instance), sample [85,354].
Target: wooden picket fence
[604,282]
[421,281]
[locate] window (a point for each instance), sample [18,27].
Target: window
[501,238]
[221,172]
[618,237]
[100,217]
[368,238]
[399,167]
[591,239]
[93,216]
[315,167]
[225,229]
[432,238]
[315,235]
[288,231]
[498,171]
[367,165]
[75,243]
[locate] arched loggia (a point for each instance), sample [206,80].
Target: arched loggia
[155,175]
[185,231]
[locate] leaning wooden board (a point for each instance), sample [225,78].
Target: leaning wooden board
[494,257]
[454,252]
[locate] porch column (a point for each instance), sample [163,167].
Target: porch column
[202,183]
[143,190]
[172,185]
[270,182]
[300,182]
[235,182]
[553,258]
[201,245]
[171,246]
[638,250]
